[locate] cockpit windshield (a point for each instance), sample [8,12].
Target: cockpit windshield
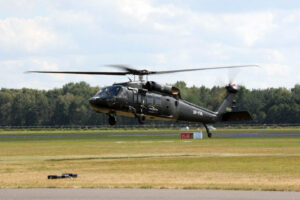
[109,91]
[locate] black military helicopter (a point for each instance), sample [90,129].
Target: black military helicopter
[145,99]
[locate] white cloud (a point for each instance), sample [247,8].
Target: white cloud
[72,18]
[29,35]
[274,55]
[12,73]
[161,58]
[276,69]
[138,9]
[160,34]
[251,27]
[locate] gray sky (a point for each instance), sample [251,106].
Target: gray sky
[157,35]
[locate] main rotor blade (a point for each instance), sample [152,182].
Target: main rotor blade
[83,73]
[198,69]
[128,69]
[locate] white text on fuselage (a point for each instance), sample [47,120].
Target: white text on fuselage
[197,112]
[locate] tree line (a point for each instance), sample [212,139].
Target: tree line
[69,105]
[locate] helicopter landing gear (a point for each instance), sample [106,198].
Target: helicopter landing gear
[207,131]
[112,119]
[141,118]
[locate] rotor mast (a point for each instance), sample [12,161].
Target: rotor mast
[141,78]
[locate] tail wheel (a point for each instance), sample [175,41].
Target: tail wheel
[207,131]
[209,134]
[142,119]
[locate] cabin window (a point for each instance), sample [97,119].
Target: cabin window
[150,100]
[135,97]
[158,100]
[130,95]
[176,103]
[139,98]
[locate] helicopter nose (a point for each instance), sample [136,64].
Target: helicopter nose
[100,102]
[93,100]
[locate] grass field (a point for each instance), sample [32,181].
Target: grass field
[52,131]
[152,162]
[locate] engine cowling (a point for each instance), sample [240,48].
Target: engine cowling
[170,90]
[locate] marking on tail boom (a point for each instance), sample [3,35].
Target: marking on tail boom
[196,112]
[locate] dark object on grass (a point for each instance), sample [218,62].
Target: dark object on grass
[64,175]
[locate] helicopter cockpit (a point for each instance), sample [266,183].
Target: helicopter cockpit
[105,96]
[110,91]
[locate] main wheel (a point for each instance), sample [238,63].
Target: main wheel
[112,120]
[141,119]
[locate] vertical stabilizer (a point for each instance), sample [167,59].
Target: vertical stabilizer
[229,99]
[225,113]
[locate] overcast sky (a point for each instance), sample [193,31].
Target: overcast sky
[157,35]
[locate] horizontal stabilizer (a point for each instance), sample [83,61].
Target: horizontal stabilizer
[236,116]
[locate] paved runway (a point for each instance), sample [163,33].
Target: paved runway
[142,194]
[240,135]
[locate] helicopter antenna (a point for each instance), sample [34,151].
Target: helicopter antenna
[130,80]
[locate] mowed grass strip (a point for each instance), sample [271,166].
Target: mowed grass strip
[152,162]
[126,131]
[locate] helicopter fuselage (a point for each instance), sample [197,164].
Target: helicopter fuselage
[136,101]
[150,100]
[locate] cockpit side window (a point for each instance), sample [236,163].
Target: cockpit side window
[123,93]
[109,91]
[114,90]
